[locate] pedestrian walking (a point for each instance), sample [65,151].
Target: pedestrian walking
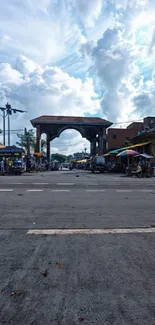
[2,167]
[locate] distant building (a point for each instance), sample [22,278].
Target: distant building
[147,136]
[80,155]
[117,137]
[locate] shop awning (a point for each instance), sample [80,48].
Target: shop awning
[113,152]
[145,155]
[11,149]
[116,151]
[138,145]
[38,154]
[82,161]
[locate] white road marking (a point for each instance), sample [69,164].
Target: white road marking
[147,191]
[95,190]
[34,190]
[40,183]
[60,190]
[6,190]
[65,184]
[124,191]
[15,184]
[89,231]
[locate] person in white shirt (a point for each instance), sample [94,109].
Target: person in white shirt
[139,170]
[2,166]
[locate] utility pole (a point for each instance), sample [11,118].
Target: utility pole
[7,111]
[4,127]
[27,134]
[3,109]
[8,130]
[27,138]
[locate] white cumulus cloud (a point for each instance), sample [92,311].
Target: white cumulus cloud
[45,91]
[89,11]
[77,57]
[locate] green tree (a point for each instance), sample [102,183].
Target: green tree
[59,157]
[28,139]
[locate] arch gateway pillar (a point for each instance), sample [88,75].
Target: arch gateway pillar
[93,149]
[91,128]
[38,138]
[48,148]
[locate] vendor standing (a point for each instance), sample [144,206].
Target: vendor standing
[148,168]
[10,166]
[2,166]
[142,163]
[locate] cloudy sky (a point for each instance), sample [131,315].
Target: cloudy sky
[77,57]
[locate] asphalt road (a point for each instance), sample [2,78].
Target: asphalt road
[77,248]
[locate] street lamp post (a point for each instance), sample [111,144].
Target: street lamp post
[7,111]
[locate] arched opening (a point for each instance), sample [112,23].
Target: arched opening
[71,144]
[43,143]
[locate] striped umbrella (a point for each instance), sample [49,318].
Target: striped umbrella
[128,153]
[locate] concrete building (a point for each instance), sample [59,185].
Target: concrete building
[147,136]
[149,123]
[117,137]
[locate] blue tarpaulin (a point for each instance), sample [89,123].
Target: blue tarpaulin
[145,155]
[11,149]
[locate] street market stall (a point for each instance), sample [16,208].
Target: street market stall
[82,164]
[112,162]
[128,165]
[137,164]
[9,156]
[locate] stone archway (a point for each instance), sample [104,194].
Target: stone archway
[91,128]
[70,141]
[64,128]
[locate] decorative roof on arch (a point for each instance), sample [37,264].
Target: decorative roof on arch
[53,119]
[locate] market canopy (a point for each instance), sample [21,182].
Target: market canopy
[113,152]
[138,145]
[128,153]
[145,155]
[116,151]
[82,161]
[38,154]
[11,149]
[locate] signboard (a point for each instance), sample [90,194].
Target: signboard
[6,154]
